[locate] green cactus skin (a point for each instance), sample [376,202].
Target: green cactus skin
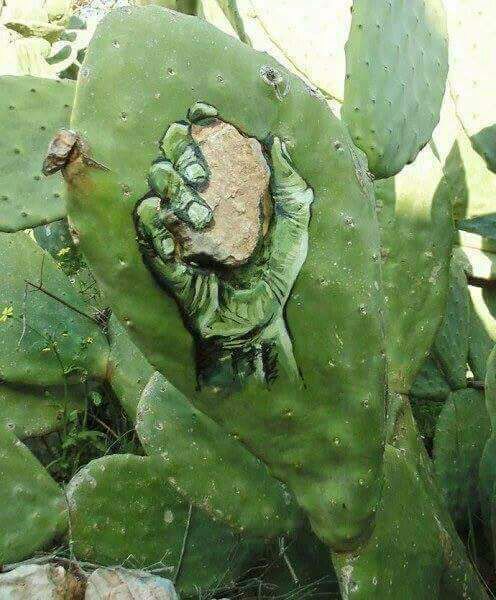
[237,322]
[332,461]
[415,548]
[430,382]
[214,471]
[33,506]
[56,239]
[417,237]
[31,110]
[484,302]
[487,469]
[42,340]
[396,70]
[123,511]
[68,53]
[128,371]
[472,31]
[30,411]
[462,432]
[480,344]
[487,488]
[483,226]
[450,348]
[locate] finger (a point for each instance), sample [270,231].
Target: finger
[183,152]
[158,249]
[202,113]
[285,181]
[151,229]
[184,202]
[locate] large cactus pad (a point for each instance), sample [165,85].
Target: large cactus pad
[122,119]
[396,69]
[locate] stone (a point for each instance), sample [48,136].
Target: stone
[124,584]
[40,582]
[237,193]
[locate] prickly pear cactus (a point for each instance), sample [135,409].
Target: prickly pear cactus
[30,411]
[33,505]
[471,185]
[450,349]
[47,337]
[32,109]
[396,55]
[430,382]
[248,375]
[122,509]
[128,370]
[416,243]
[462,432]
[414,545]
[487,469]
[216,472]
[67,54]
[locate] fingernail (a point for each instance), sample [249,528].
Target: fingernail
[168,246]
[199,215]
[195,173]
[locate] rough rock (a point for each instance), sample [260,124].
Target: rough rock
[40,582]
[238,194]
[122,584]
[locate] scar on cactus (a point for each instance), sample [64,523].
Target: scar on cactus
[66,148]
[226,239]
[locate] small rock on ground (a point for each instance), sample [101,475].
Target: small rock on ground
[40,582]
[123,584]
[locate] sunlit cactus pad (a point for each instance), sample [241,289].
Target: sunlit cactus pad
[31,111]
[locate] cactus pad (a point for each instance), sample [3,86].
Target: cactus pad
[215,472]
[396,69]
[128,371]
[122,510]
[430,382]
[450,349]
[30,411]
[31,110]
[417,237]
[46,335]
[335,479]
[462,431]
[33,506]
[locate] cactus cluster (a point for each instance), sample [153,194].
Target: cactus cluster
[323,404]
